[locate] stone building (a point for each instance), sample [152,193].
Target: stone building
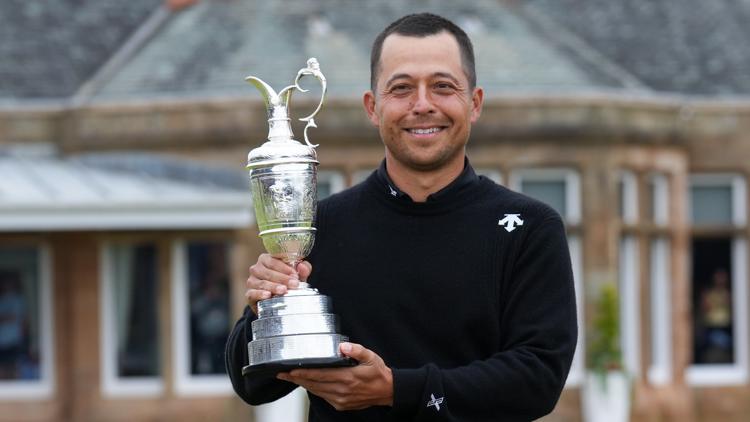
[125,222]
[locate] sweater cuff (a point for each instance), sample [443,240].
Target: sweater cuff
[408,385]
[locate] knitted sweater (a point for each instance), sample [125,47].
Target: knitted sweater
[476,319]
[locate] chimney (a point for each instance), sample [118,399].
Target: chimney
[177,5]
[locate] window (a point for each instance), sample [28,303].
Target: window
[130,320]
[628,278]
[25,323]
[329,182]
[560,188]
[201,316]
[719,280]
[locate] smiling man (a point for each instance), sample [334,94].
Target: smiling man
[453,315]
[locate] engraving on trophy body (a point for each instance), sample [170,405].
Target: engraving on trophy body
[298,328]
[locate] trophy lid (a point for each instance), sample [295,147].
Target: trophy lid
[281,146]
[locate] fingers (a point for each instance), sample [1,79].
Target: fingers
[271,276]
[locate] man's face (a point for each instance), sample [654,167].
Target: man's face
[422,104]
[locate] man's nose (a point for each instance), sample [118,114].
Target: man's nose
[423,102]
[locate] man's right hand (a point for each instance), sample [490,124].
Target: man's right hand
[272,276]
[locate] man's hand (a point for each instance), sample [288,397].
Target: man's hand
[271,276]
[368,384]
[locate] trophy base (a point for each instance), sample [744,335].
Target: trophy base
[273,368]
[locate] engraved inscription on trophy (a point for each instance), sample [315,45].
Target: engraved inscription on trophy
[297,329]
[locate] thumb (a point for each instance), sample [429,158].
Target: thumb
[357,352]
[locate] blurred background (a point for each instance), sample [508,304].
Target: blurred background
[126,227]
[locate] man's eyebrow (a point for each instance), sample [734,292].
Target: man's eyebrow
[397,76]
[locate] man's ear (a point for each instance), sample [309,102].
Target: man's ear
[477,99]
[368,101]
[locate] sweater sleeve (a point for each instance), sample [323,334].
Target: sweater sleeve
[253,390]
[524,378]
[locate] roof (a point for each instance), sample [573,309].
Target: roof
[109,50]
[49,49]
[272,40]
[685,46]
[43,193]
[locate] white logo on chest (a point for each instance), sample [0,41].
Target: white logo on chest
[511,221]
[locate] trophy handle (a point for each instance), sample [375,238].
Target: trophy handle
[313,68]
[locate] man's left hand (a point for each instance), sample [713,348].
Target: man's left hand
[368,384]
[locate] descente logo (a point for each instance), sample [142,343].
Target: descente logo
[511,221]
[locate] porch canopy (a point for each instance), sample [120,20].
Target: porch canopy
[118,191]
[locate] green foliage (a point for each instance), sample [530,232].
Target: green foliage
[604,345]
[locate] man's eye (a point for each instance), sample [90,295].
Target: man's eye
[400,89]
[444,86]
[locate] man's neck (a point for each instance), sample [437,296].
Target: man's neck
[421,184]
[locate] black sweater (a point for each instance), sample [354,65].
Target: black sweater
[458,306]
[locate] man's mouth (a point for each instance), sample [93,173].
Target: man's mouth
[425,131]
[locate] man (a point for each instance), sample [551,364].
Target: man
[452,315]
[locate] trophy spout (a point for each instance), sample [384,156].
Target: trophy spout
[277,109]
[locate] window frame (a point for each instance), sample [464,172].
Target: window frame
[572,218]
[44,387]
[185,383]
[735,373]
[660,369]
[112,385]
[571,179]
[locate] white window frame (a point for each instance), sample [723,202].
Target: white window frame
[43,388]
[629,198]
[660,199]
[335,178]
[112,385]
[629,289]
[737,372]
[185,383]
[660,368]
[572,216]
[572,182]
[578,368]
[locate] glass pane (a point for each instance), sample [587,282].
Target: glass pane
[711,204]
[136,293]
[550,192]
[208,272]
[713,340]
[324,189]
[19,314]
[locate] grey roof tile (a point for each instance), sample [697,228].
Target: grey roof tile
[50,48]
[683,46]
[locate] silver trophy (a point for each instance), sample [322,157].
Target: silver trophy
[297,329]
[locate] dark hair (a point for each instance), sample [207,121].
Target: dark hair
[422,25]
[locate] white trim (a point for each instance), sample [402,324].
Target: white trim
[735,373]
[578,368]
[629,198]
[491,174]
[660,369]
[186,384]
[570,178]
[112,385]
[211,214]
[44,387]
[334,178]
[739,204]
[660,199]
[630,303]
